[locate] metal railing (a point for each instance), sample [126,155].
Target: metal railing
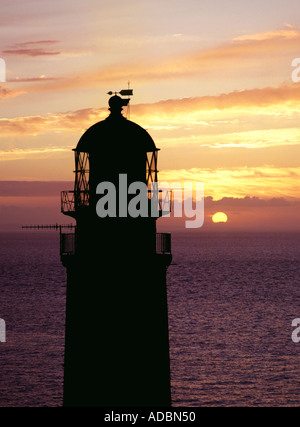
[68,243]
[73,199]
[161,201]
[163,243]
[165,201]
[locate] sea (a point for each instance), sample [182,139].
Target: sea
[232,298]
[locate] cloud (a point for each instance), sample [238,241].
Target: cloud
[255,213]
[33,188]
[31,79]
[265,52]
[53,188]
[290,32]
[29,49]
[38,202]
[162,114]
[264,181]
[9,93]
[32,153]
[248,202]
[244,53]
[245,214]
[71,121]
[30,52]
[36,42]
[256,97]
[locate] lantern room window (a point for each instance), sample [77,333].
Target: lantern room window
[82,175]
[151,167]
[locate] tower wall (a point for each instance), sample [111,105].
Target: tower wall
[117,351]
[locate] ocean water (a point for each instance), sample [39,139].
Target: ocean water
[232,298]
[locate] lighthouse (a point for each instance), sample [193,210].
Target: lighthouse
[116,336]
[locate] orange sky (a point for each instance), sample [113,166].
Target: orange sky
[212,85]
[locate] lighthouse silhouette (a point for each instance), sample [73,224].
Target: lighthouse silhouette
[116,338]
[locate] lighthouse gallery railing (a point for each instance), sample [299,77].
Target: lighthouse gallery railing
[70,200]
[68,243]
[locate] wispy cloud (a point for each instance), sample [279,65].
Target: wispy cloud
[32,188]
[9,93]
[233,56]
[32,153]
[29,48]
[60,122]
[36,42]
[31,79]
[250,98]
[289,32]
[243,54]
[30,52]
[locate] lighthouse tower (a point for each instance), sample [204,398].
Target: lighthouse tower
[116,342]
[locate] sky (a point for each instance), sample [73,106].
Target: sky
[212,83]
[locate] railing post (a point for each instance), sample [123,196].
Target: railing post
[163,243]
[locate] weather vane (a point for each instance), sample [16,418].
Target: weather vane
[123,92]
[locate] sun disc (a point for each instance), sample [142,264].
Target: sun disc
[219,217]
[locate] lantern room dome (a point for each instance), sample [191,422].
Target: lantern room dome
[115,132]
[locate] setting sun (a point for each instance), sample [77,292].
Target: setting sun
[219,217]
